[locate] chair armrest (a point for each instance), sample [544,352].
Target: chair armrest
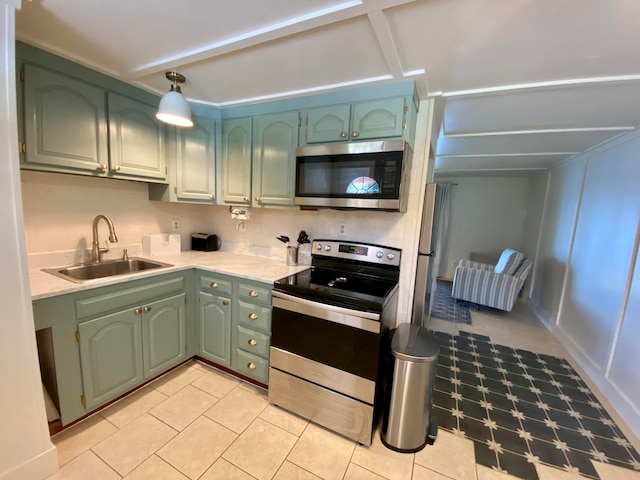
[477,265]
[485,287]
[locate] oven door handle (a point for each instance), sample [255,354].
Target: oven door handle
[355,318]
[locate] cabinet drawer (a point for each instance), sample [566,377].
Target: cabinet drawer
[215,284]
[253,342]
[255,294]
[254,316]
[253,366]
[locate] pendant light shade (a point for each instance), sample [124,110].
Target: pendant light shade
[174,108]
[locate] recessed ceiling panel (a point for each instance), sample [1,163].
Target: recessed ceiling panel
[120,35]
[604,105]
[470,44]
[569,143]
[513,162]
[342,52]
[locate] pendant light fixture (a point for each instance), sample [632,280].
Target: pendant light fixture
[174,108]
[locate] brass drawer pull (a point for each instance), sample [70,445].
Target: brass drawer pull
[251,366]
[213,284]
[225,302]
[146,309]
[253,293]
[355,134]
[138,311]
[343,135]
[253,316]
[252,342]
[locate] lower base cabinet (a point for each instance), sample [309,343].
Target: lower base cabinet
[234,319]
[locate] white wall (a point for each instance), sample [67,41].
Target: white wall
[26,451]
[587,284]
[487,216]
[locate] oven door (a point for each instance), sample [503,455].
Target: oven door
[335,347]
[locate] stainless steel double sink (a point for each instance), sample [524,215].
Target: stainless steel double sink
[108,268]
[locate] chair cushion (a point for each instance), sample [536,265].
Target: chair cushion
[509,261]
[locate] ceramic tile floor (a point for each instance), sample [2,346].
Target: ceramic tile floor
[199,423]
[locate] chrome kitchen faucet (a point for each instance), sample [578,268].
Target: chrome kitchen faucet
[96,251]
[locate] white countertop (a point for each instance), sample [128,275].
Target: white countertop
[261,269]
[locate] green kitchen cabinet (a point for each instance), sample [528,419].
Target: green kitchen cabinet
[236,161]
[275,139]
[120,350]
[196,160]
[163,334]
[214,318]
[111,356]
[136,139]
[65,123]
[252,330]
[370,120]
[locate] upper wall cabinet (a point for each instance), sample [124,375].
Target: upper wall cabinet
[275,139]
[236,161]
[136,139]
[65,123]
[196,160]
[73,126]
[351,122]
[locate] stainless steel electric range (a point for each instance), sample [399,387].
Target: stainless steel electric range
[329,332]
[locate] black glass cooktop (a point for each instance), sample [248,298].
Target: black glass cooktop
[338,287]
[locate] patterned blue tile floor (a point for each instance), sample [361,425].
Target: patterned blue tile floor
[521,408]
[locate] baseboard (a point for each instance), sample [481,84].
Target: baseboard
[38,468]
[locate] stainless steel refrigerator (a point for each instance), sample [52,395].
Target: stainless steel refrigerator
[427,250]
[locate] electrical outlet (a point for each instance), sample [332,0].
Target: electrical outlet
[342,229]
[175,224]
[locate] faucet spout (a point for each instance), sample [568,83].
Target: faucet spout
[96,251]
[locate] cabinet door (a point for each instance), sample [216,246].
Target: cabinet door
[163,334]
[196,160]
[275,139]
[136,139]
[110,356]
[328,124]
[215,327]
[378,119]
[236,161]
[65,123]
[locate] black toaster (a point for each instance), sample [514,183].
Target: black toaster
[205,242]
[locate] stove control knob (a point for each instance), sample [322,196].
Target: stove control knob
[319,246]
[327,248]
[379,254]
[390,256]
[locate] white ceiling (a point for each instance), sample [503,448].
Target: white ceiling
[519,84]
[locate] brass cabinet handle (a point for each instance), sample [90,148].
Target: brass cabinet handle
[117,169]
[102,167]
[252,342]
[257,199]
[211,196]
[343,135]
[138,311]
[355,134]
[253,293]
[246,199]
[225,302]
[146,309]
[213,284]
[253,316]
[251,366]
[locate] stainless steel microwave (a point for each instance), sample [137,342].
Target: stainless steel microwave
[362,175]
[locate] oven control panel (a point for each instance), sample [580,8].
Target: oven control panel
[363,252]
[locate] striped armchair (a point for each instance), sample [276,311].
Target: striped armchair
[495,286]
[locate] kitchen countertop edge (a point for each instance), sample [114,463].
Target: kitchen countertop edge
[249,267]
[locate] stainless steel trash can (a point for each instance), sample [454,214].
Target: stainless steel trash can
[407,425]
